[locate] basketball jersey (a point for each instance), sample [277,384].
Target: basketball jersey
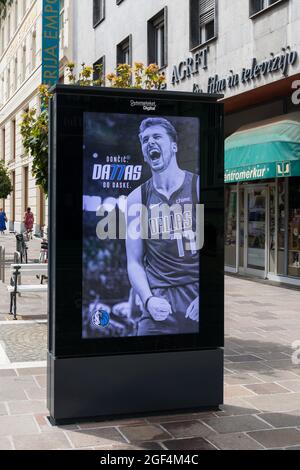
[171,261]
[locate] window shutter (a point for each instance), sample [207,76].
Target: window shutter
[206,11]
[96,11]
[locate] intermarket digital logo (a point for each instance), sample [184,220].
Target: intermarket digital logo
[146,105]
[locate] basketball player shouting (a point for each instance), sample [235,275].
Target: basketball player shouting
[163,272]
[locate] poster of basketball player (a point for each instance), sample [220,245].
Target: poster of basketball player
[140,248]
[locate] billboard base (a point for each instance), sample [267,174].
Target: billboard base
[133,384]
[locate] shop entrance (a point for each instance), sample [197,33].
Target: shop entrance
[256,233]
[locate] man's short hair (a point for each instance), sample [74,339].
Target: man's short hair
[149,122]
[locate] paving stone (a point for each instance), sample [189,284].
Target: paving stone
[173,418]
[5,444]
[32,371]
[274,375]
[241,379]
[19,339]
[27,407]
[292,385]
[279,402]
[277,437]
[236,391]
[281,420]
[95,437]
[187,429]
[144,433]
[17,425]
[3,409]
[268,388]
[236,406]
[243,358]
[112,423]
[230,424]
[134,446]
[236,441]
[196,443]
[41,380]
[7,373]
[56,440]
[35,393]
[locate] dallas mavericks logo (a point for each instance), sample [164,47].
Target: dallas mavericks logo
[100,317]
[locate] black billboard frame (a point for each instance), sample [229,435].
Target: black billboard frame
[77,360]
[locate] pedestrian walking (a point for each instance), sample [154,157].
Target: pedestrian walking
[3,220]
[28,222]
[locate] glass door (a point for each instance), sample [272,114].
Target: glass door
[256,233]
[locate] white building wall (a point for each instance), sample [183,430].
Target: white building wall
[239,37]
[23,95]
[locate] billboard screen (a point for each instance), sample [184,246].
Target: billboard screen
[136,210]
[141,234]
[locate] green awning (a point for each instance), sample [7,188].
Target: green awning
[267,149]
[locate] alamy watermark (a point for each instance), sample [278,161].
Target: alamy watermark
[181,222]
[296,93]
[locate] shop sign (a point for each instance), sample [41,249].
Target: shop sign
[283,169]
[190,66]
[263,171]
[50,55]
[248,173]
[279,63]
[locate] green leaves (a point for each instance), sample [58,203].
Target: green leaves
[34,126]
[34,131]
[5,183]
[3,7]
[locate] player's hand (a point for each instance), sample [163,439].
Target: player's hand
[159,308]
[193,310]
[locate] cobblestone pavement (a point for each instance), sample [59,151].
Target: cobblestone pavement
[23,341]
[262,390]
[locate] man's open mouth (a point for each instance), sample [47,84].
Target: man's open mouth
[154,155]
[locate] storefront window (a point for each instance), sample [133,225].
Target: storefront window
[272,230]
[281,227]
[242,226]
[230,227]
[294,228]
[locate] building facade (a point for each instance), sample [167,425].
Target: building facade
[247,50]
[20,78]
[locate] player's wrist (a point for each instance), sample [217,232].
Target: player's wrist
[147,302]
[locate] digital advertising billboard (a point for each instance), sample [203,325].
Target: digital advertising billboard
[136,252]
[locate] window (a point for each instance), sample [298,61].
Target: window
[24,63]
[202,21]
[157,39]
[257,6]
[2,40]
[124,51]
[13,139]
[8,29]
[8,84]
[98,12]
[99,71]
[15,83]
[25,187]
[33,50]
[62,24]
[16,15]
[3,143]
